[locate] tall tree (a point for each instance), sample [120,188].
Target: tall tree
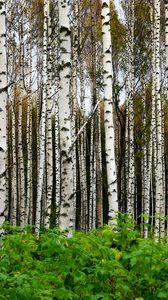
[49,146]
[42,125]
[3,99]
[160,204]
[67,197]
[130,110]
[108,112]
[166,42]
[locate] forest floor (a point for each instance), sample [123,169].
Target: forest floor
[102,264]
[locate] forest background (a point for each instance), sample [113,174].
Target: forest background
[83,118]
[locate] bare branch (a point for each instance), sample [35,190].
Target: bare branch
[5,88]
[84,125]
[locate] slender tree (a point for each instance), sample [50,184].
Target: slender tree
[67,197]
[49,146]
[3,99]
[130,110]
[42,125]
[108,111]
[166,42]
[160,204]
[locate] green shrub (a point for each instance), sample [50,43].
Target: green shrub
[103,264]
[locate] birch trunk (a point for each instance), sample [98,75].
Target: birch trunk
[95,99]
[83,176]
[57,163]
[9,157]
[14,140]
[151,163]
[3,99]
[92,197]
[29,213]
[42,125]
[21,166]
[14,168]
[166,54]
[73,96]
[130,115]
[56,84]
[82,138]
[49,148]
[160,205]
[145,192]
[166,44]
[108,112]
[67,197]
[153,141]
[29,204]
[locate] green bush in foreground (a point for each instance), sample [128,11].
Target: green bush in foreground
[102,264]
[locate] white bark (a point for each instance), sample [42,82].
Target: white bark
[166,65]
[73,95]
[29,203]
[12,97]
[166,43]
[49,149]
[56,84]
[100,204]
[57,163]
[3,99]
[145,171]
[160,204]
[108,112]
[84,217]
[83,175]
[93,194]
[153,145]
[67,203]
[42,126]
[14,168]
[29,206]
[130,114]
[21,95]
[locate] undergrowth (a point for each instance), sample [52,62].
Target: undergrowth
[103,264]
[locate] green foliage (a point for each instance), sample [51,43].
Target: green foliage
[103,264]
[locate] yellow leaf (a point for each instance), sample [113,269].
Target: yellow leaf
[118,255]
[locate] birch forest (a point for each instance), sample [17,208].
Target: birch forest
[83,149]
[83,113]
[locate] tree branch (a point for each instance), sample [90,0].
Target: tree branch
[84,125]
[5,88]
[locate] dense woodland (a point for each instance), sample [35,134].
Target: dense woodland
[83,113]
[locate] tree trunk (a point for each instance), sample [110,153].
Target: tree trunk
[67,197]
[42,125]
[108,112]
[3,99]
[160,201]
[49,148]
[130,114]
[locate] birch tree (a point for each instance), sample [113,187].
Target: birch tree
[42,126]
[108,112]
[3,99]
[130,169]
[160,205]
[73,94]
[28,83]
[145,168]
[67,203]
[49,146]
[56,82]
[166,42]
